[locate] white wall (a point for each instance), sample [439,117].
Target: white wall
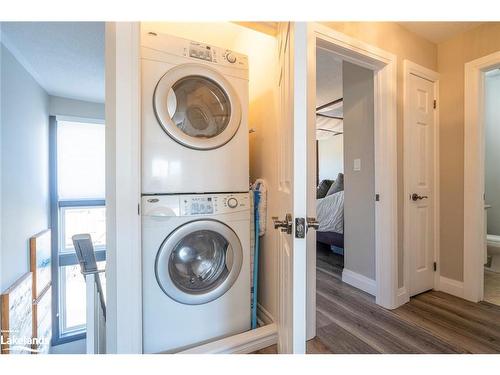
[25,166]
[359,186]
[331,157]
[76,108]
[492,175]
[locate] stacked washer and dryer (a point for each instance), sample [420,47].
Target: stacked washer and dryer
[195,203]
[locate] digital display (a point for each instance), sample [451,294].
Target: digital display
[201,53]
[201,206]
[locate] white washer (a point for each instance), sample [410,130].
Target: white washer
[196,269]
[194,117]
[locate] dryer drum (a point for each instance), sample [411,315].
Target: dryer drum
[197,107]
[202,108]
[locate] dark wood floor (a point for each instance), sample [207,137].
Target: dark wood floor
[349,321]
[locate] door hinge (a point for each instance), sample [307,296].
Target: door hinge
[377,197]
[435,266]
[435,103]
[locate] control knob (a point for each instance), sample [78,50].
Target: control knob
[232,203]
[230,57]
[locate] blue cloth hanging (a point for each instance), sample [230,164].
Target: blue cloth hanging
[256,197]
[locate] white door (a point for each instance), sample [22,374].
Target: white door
[421,195]
[292,186]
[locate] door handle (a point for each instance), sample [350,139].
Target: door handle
[416,197]
[284,225]
[312,223]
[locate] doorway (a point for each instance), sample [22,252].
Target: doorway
[329,163]
[345,205]
[479,179]
[381,66]
[492,186]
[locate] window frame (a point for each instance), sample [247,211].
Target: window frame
[64,259]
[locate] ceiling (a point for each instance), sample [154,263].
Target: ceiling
[435,32]
[328,77]
[328,89]
[66,58]
[438,32]
[270,28]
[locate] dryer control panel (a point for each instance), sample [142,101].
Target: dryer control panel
[208,204]
[195,50]
[215,54]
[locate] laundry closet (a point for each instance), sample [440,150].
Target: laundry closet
[208,124]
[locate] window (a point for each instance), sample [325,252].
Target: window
[77,206]
[80,160]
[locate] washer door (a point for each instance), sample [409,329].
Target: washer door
[197,107]
[199,262]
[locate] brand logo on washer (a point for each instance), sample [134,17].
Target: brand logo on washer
[153,200]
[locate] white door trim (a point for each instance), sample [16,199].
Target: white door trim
[474,150]
[384,66]
[409,68]
[302,101]
[123,157]
[242,343]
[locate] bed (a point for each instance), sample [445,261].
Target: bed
[330,215]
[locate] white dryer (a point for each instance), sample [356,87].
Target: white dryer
[196,269]
[194,117]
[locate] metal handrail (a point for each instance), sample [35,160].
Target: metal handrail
[85,273]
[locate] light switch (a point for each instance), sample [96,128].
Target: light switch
[357,164]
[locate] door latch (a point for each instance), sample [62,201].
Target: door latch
[300,227]
[284,225]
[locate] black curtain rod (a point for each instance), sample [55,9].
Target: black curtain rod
[329,104]
[334,117]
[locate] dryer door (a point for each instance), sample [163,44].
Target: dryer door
[197,107]
[199,262]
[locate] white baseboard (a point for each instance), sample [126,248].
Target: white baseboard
[402,297]
[359,281]
[264,317]
[450,286]
[244,343]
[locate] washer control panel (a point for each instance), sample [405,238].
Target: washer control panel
[199,205]
[208,204]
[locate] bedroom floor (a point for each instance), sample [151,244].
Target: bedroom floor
[349,321]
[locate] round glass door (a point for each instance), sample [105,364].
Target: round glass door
[197,107]
[199,262]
